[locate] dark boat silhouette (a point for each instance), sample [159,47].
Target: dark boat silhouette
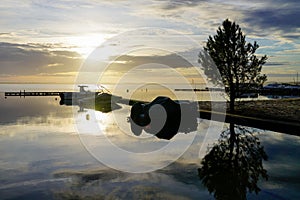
[101,100]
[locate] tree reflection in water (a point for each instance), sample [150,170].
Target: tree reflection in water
[234,164]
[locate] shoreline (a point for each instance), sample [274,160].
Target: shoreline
[279,115]
[277,109]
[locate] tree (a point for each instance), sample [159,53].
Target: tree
[235,60]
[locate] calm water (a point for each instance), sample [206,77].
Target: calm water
[50,151]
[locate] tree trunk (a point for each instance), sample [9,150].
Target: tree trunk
[231,128]
[232,98]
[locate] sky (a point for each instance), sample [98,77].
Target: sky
[48,41]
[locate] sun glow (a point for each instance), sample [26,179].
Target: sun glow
[85,44]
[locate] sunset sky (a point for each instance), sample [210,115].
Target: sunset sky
[48,40]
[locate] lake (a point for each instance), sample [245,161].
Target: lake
[53,151]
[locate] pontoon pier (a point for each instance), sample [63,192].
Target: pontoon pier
[63,95]
[24,93]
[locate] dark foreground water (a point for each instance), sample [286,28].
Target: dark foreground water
[49,151]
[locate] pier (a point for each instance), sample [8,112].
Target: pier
[191,90]
[24,94]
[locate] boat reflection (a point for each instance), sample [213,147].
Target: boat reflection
[234,164]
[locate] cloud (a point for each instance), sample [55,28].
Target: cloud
[33,59]
[158,68]
[282,75]
[276,63]
[276,17]
[261,19]
[171,60]
[6,34]
[283,19]
[67,54]
[41,21]
[174,4]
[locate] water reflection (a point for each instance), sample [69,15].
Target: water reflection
[29,165]
[234,164]
[164,117]
[25,109]
[113,184]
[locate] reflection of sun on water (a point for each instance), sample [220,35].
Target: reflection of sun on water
[92,122]
[103,118]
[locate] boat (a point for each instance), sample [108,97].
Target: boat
[101,100]
[67,96]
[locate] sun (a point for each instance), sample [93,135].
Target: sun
[85,44]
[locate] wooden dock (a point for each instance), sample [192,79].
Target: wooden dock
[24,94]
[191,90]
[200,90]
